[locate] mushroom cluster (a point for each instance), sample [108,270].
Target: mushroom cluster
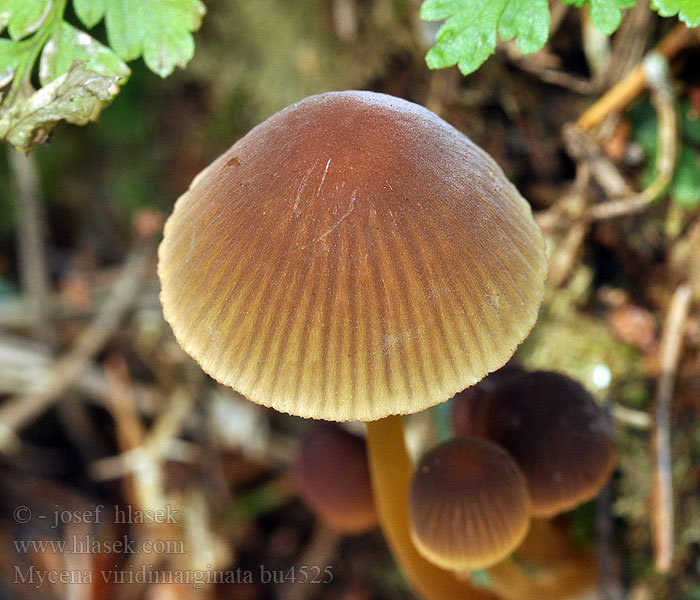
[530,445]
[355,257]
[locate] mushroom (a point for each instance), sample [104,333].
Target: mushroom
[466,405]
[333,478]
[469,508]
[351,258]
[557,434]
[561,440]
[469,505]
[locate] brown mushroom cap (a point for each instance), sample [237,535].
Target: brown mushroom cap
[469,506]
[333,478]
[353,256]
[557,434]
[468,404]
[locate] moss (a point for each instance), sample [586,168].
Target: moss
[576,344]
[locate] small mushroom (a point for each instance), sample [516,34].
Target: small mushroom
[333,478]
[469,504]
[556,433]
[467,405]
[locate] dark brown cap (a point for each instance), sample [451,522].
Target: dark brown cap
[558,435]
[333,478]
[469,506]
[468,404]
[353,256]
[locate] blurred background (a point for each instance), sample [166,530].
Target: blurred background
[101,407]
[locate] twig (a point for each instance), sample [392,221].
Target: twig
[537,67]
[608,585]
[543,64]
[662,489]
[631,417]
[18,411]
[565,254]
[130,431]
[623,93]
[559,11]
[584,149]
[318,553]
[142,454]
[33,267]
[25,364]
[630,41]
[658,77]
[14,312]
[596,48]
[608,581]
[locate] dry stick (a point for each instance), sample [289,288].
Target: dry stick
[130,431]
[70,366]
[597,49]
[34,271]
[620,96]
[571,207]
[584,149]
[564,256]
[630,42]
[662,487]
[144,454]
[608,580]
[631,417]
[309,572]
[658,76]
[131,435]
[534,64]
[24,363]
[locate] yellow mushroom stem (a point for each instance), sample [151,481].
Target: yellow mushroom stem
[563,579]
[391,471]
[560,569]
[546,542]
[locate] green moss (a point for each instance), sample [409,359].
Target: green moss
[577,344]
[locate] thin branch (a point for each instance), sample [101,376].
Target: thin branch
[658,76]
[31,246]
[19,411]
[627,90]
[624,201]
[319,552]
[662,490]
[608,578]
[630,41]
